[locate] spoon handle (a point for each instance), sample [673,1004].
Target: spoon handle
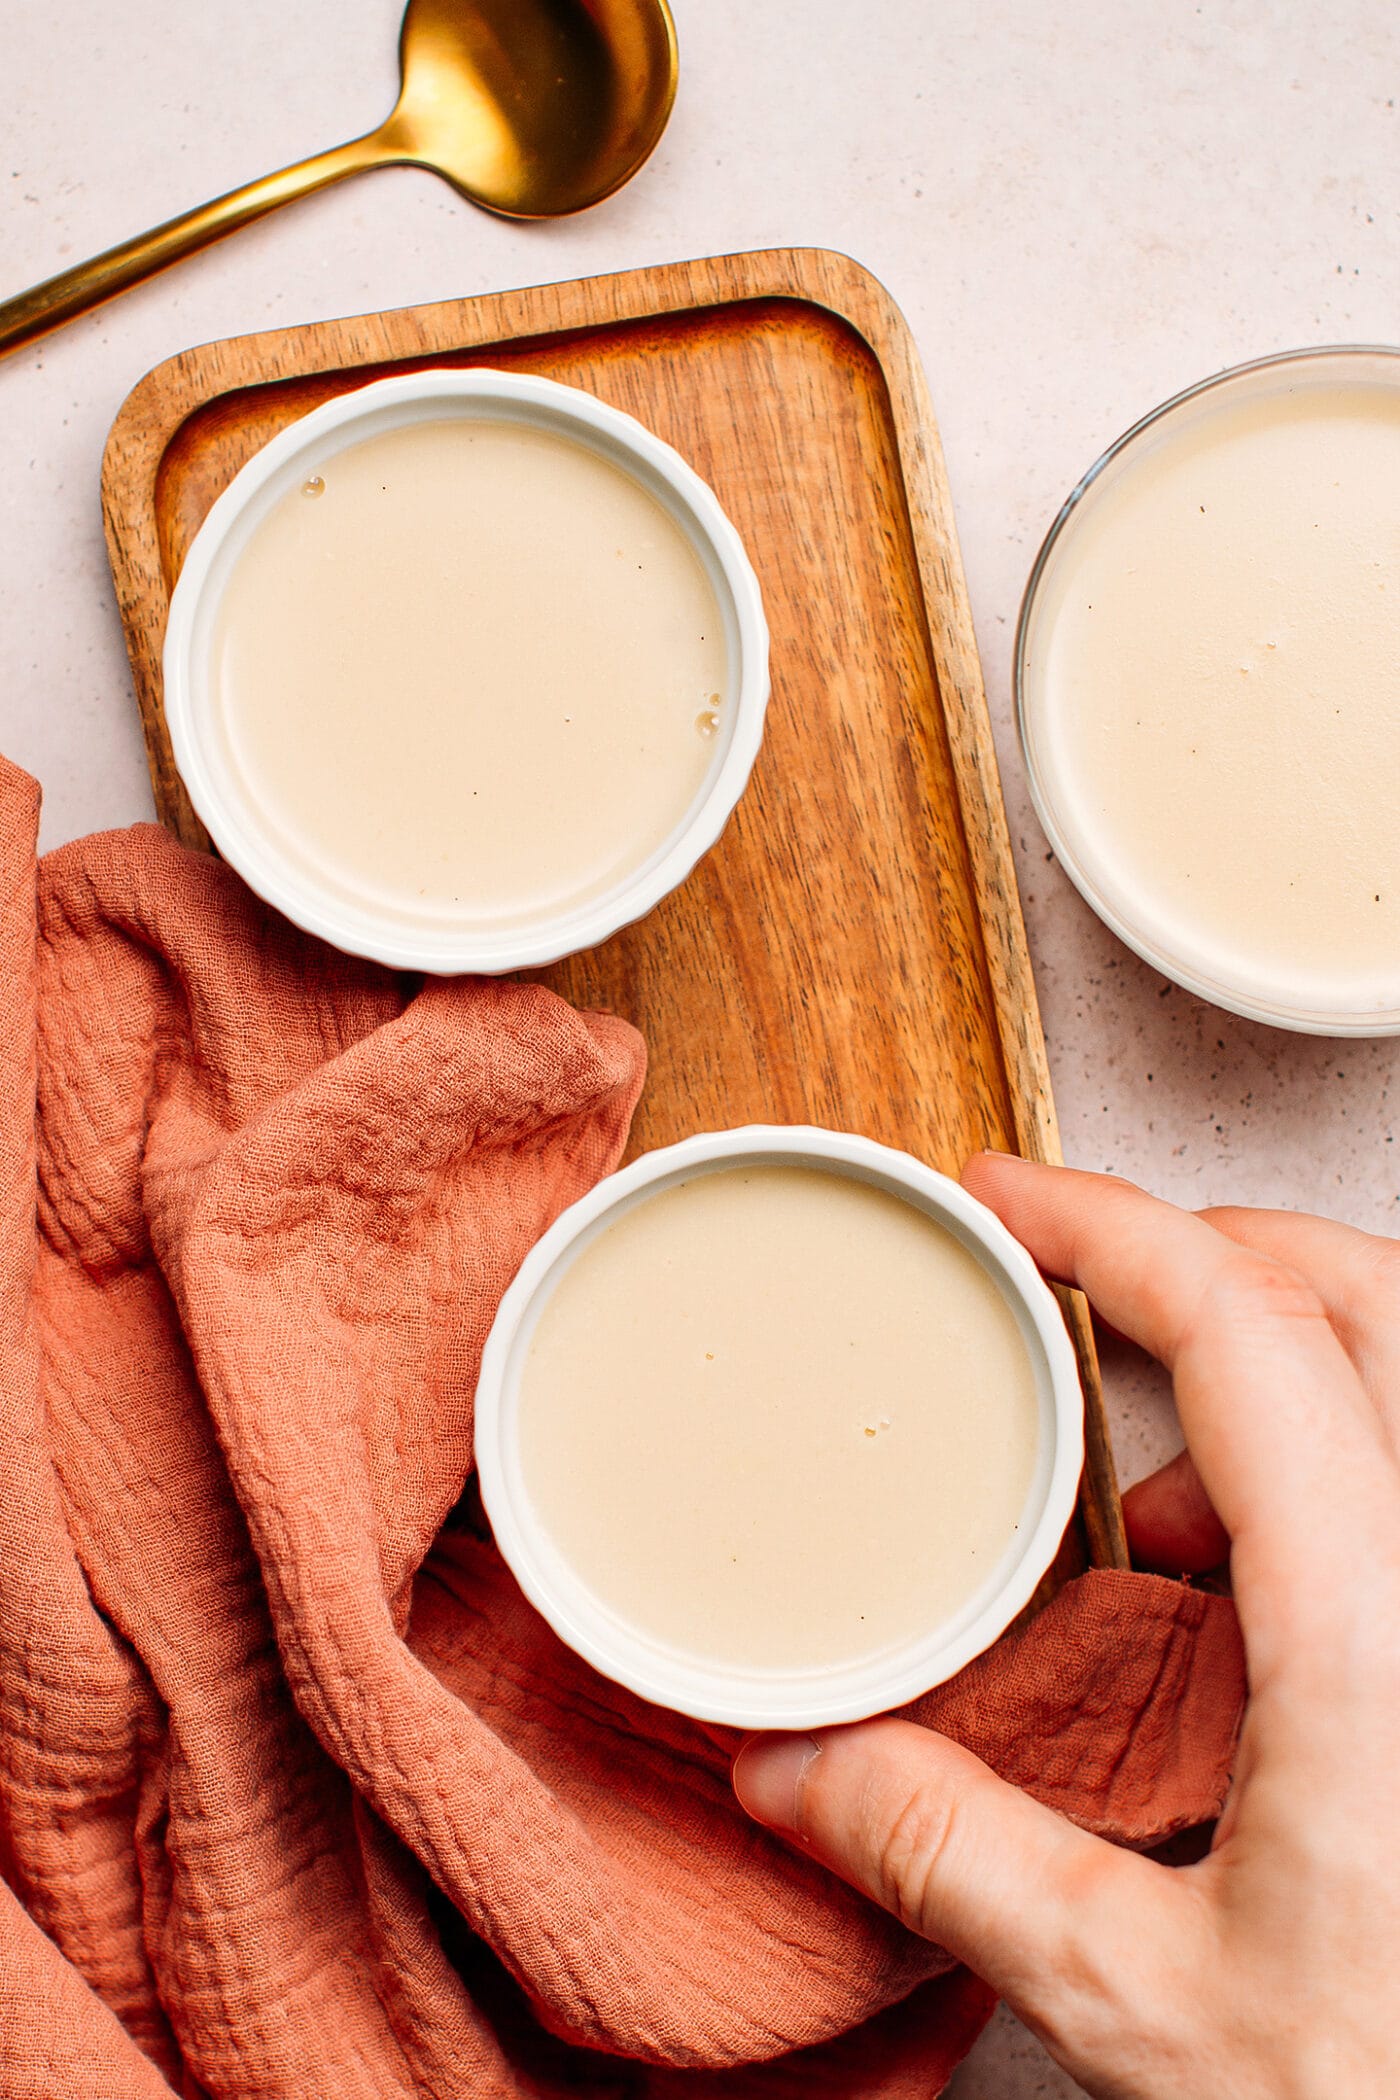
[62,298]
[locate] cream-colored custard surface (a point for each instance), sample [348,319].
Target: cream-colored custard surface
[775,1417]
[1212,691]
[471,669]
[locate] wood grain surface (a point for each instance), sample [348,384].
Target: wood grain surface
[852,953]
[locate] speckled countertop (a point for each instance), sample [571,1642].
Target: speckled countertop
[1080,211]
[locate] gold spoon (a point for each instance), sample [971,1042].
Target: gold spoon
[532,108]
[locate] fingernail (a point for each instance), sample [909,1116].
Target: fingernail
[768,1773]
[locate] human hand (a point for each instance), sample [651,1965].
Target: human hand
[1271,1969]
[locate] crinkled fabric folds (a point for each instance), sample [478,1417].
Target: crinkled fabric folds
[298,1797]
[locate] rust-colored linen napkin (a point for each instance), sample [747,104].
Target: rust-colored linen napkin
[297,1796]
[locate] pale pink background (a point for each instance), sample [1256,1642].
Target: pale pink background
[1080,209]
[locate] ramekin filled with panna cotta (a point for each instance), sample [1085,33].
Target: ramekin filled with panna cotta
[465,670]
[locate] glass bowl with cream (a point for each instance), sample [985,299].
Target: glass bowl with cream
[778,1427]
[1208,689]
[465,670]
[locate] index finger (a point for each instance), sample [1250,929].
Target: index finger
[1287,1446]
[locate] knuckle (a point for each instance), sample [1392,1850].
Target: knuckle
[1116,1192]
[1249,1290]
[1378,1268]
[911,1856]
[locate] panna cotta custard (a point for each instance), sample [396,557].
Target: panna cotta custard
[1209,690]
[469,669]
[777,1418]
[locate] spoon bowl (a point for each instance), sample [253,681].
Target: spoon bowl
[531,108]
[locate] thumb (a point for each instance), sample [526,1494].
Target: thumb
[1032,1904]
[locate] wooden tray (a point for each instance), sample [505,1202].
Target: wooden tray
[852,953]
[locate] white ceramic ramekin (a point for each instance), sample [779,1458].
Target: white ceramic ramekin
[1083,854]
[241,832]
[801,1698]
